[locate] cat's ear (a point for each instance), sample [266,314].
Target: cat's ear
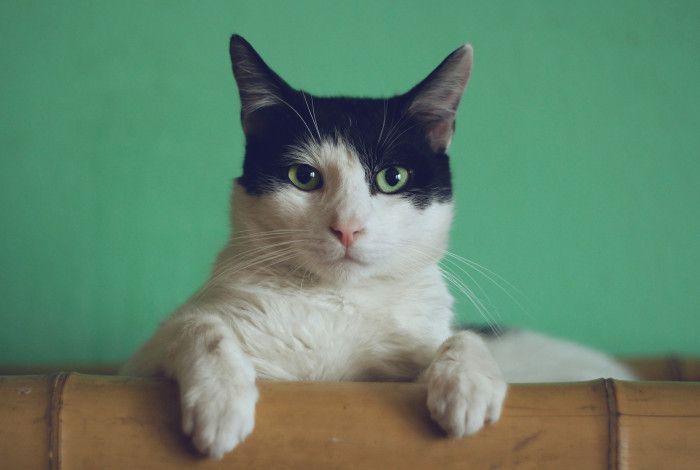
[433,102]
[258,85]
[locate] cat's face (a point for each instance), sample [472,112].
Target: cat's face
[346,188]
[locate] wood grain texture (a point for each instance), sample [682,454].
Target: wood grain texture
[659,425]
[24,422]
[111,422]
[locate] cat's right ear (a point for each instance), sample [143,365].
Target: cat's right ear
[258,85]
[433,102]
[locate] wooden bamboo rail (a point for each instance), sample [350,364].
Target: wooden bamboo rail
[74,421]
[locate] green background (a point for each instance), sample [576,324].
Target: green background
[576,157]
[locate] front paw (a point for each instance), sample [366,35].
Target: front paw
[460,400]
[218,415]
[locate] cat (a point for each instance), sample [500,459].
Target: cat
[340,218]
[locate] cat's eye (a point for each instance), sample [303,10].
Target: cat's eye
[392,179]
[304,177]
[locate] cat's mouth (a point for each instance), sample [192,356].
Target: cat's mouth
[341,262]
[349,259]
[352,259]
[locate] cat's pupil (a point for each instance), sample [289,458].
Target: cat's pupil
[392,176]
[305,174]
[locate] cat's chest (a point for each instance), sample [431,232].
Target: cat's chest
[342,335]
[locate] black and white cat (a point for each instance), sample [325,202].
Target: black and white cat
[331,273]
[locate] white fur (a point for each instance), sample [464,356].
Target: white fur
[526,356]
[286,301]
[465,385]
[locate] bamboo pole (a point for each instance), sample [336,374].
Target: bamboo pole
[76,421]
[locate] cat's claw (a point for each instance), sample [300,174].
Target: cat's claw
[218,416]
[464,395]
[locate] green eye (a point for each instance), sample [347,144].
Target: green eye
[304,177]
[392,179]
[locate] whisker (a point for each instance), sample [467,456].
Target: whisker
[260,256]
[212,283]
[301,284]
[313,110]
[473,298]
[454,280]
[383,123]
[312,116]
[245,256]
[510,290]
[258,231]
[302,119]
[394,128]
[494,279]
[471,278]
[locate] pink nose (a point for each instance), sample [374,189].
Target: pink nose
[347,234]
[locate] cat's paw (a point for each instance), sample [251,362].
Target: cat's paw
[218,415]
[461,402]
[465,391]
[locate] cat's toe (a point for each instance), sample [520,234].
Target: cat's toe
[218,417]
[461,402]
[495,405]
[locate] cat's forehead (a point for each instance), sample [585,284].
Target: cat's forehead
[374,131]
[323,152]
[360,122]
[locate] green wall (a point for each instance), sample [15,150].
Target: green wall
[577,156]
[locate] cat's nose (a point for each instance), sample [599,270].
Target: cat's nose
[347,234]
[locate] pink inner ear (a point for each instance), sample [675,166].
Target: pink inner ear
[439,134]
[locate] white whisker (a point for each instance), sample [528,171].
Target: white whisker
[300,117]
[312,115]
[383,123]
[494,279]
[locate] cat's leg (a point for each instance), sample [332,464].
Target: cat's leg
[216,379]
[465,386]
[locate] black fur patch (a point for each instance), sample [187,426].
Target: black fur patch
[381,131]
[358,121]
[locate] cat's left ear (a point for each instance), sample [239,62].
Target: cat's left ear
[258,85]
[433,102]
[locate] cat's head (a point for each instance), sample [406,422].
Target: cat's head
[346,188]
